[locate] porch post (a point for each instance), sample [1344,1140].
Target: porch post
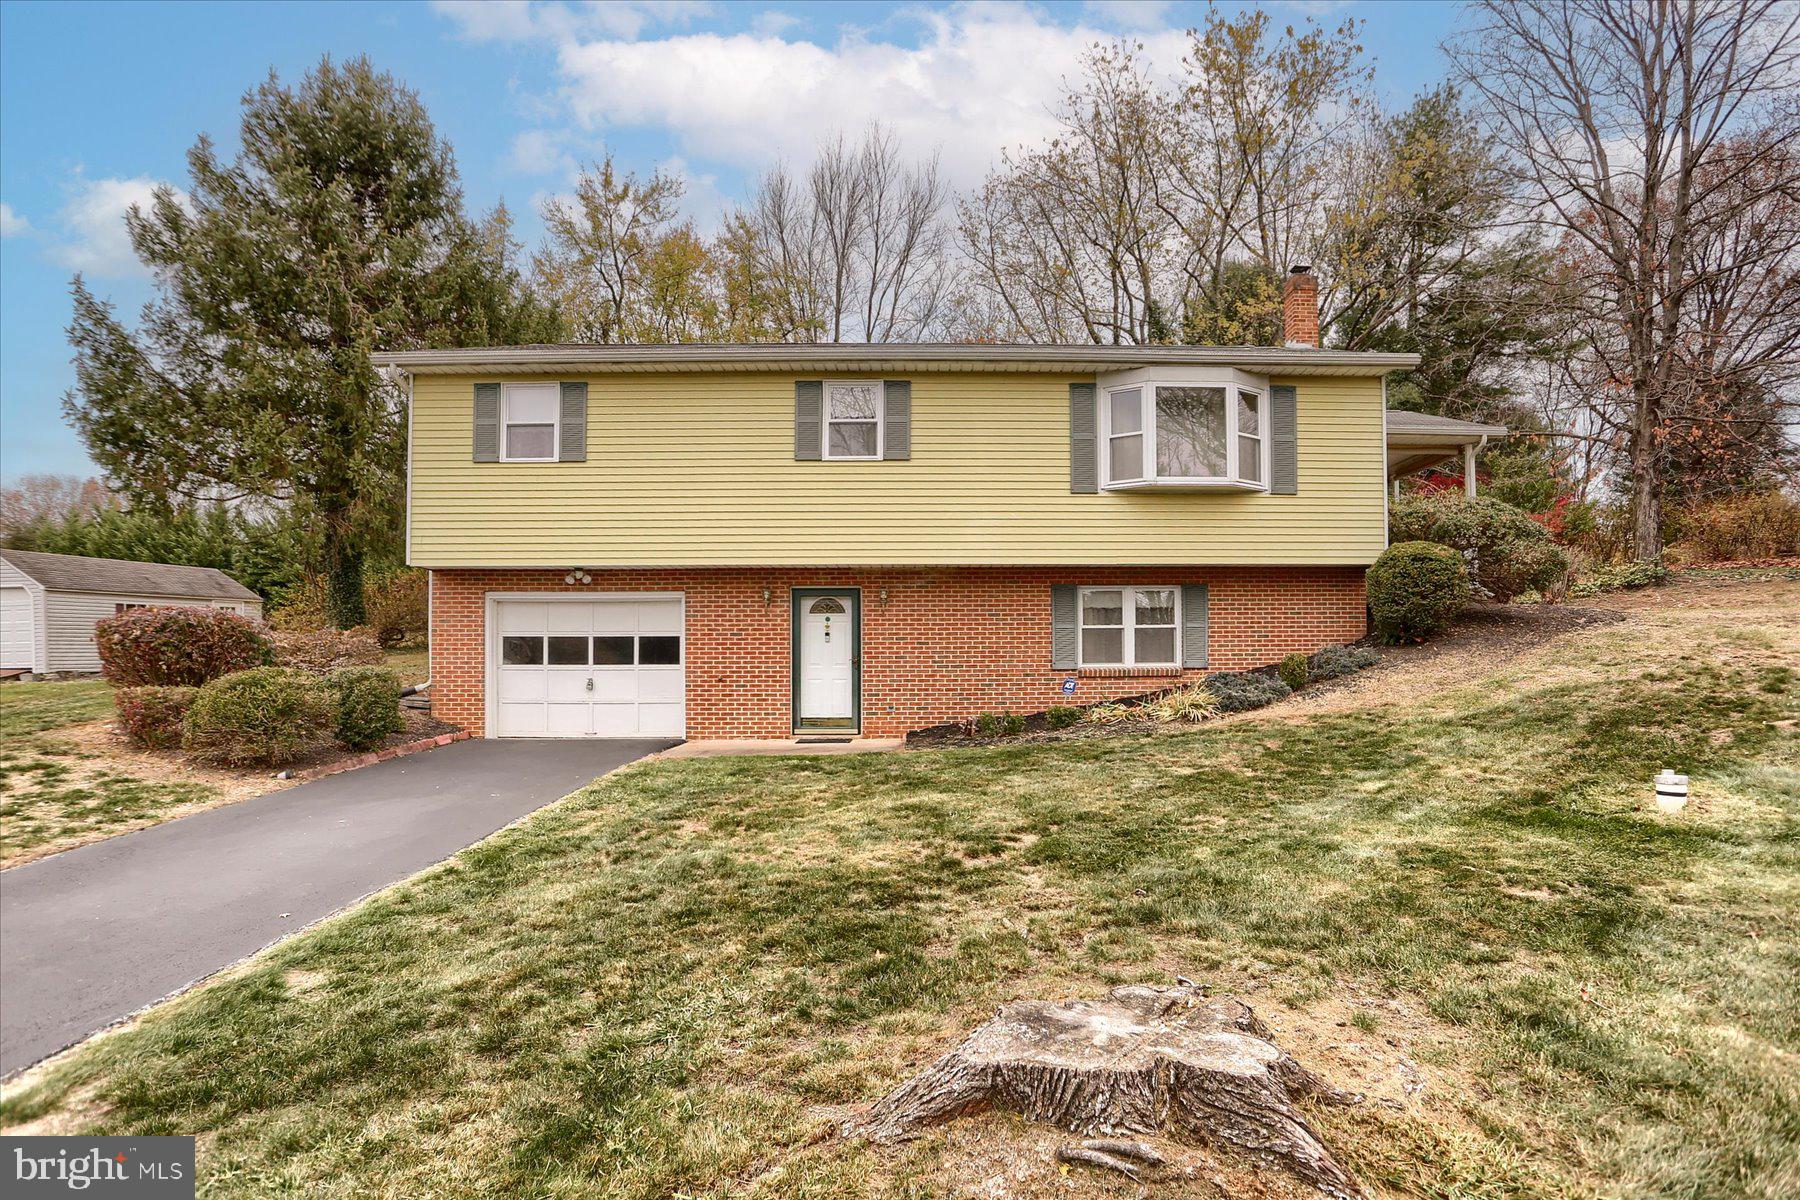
[1469,470]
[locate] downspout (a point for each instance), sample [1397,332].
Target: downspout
[416,688]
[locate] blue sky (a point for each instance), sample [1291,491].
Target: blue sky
[525,92]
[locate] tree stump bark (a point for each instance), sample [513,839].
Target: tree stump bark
[1140,1060]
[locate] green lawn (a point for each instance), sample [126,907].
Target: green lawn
[56,793]
[35,707]
[668,984]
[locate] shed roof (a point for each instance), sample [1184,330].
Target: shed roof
[77,573]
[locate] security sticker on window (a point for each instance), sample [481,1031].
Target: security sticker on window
[144,1168]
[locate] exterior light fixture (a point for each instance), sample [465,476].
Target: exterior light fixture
[577,575]
[768,597]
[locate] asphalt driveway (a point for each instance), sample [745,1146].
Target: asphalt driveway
[91,935]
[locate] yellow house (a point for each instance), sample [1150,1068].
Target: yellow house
[843,540]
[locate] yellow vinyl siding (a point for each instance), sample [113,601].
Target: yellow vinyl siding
[698,470]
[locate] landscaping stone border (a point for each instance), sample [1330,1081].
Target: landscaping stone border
[375,756]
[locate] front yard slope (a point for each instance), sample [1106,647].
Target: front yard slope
[1464,905]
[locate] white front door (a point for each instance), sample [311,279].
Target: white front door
[828,659]
[581,667]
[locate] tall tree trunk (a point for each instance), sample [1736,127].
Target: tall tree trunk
[1646,480]
[343,574]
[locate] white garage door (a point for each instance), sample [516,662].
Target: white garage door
[589,668]
[16,640]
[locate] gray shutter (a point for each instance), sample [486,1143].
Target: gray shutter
[573,444]
[1284,443]
[1193,624]
[809,418]
[1084,462]
[487,422]
[896,419]
[1065,629]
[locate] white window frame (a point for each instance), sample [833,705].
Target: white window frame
[506,391]
[880,421]
[1230,383]
[1260,437]
[1128,623]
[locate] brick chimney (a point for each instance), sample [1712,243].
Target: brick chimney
[1300,308]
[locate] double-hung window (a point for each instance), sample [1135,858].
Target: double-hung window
[853,413]
[1184,435]
[1130,627]
[529,417]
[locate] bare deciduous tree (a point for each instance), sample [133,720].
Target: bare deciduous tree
[1639,132]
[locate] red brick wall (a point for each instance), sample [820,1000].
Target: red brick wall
[946,644]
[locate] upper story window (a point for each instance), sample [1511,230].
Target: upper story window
[853,414]
[529,416]
[1184,435]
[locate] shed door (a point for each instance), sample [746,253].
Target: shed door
[17,637]
[589,668]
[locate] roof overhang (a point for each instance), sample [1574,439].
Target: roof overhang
[1416,441]
[940,356]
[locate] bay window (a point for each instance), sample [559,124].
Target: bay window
[1130,627]
[1184,435]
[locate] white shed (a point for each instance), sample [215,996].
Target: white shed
[49,603]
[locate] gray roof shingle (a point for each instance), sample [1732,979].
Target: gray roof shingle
[75,573]
[1402,422]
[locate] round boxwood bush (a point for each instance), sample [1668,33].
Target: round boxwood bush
[269,716]
[1513,554]
[366,702]
[177,647]
[1415,589]
[1294,671]
[153,716]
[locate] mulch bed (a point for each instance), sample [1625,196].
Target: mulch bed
[1492,631]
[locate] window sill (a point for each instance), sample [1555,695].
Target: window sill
[1184,485]
[1126,672]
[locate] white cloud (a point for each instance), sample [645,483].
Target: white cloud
[12,224]
[1130,14]
[540,152]
[96,241]
[520,20]
[772,22]
[981,78]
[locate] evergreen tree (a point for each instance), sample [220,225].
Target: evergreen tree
[337,231]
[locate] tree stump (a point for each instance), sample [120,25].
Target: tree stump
[1140,1060]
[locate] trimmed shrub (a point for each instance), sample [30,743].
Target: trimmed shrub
[322,651]
[1513,554]
[988,725]
[1184,704]
[366,703]
[1061,716]
[153,716]
[1294,671]
[1335,661]
[1012,724]
[1245,690]
[1759,525]
[177,647]
[1621,577]
[271,715]
[397,607]
[1415,588]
